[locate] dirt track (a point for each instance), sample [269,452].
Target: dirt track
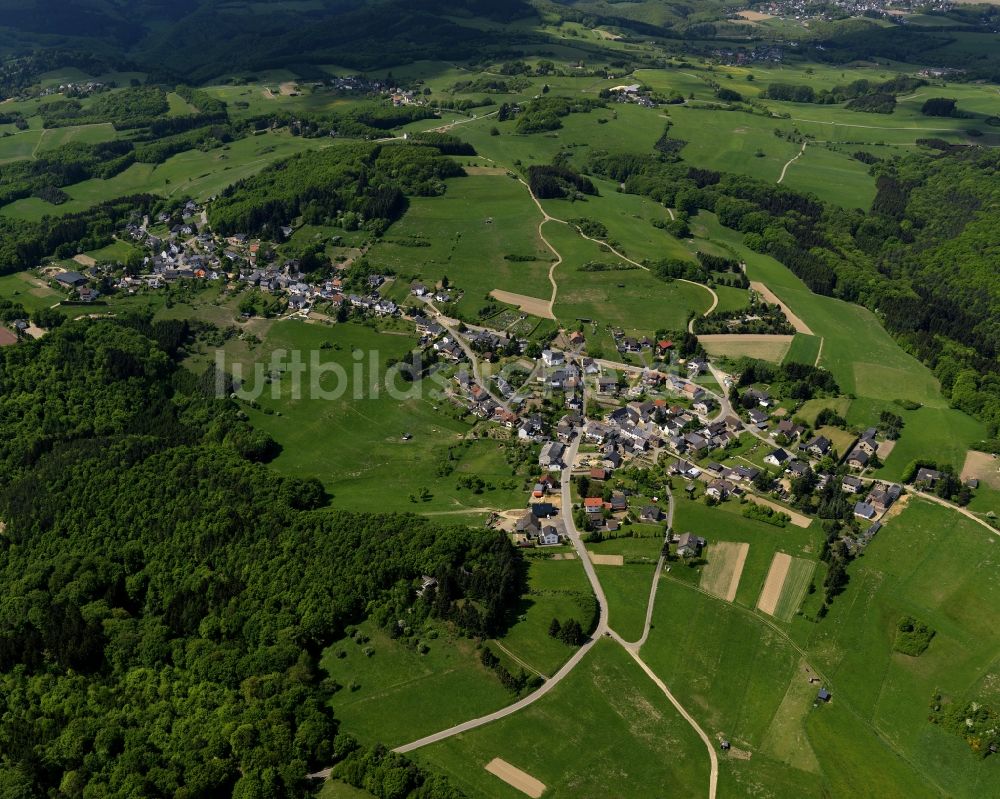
[771,297]
[771,593]
[516,778]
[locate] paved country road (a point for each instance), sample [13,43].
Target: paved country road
[602,629]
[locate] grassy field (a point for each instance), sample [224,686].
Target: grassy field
[765,348]
[726,522]
[949,583]
[793,591]
[354,443]
[605,724]
[30,291]
[557,589]
[804,349]
[633,300]
[399,694]
[627,587]
[478,221]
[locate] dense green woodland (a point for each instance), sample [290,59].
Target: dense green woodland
[167,598]
[369,180]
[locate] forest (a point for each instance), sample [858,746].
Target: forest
[167,597]
[369,180]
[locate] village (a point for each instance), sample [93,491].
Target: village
[589,418]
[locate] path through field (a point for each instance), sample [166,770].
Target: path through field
[791,161]
[546,217]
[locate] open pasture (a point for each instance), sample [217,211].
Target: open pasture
[398,694]
[930,563]
[605,720]
[355,442]
[631,299]
[469,230]
[804,349]
[557,589]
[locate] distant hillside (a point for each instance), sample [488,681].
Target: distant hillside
[200,39]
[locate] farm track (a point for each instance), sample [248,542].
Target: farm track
[791,161]
[547,217]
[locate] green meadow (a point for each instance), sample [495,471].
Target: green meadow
[631,299]
[725,522]
[355,443]
[467,233]
[398,694]
[804,349]
[605,721]
[942,569]
[557,589]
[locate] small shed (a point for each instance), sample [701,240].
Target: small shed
[823,695]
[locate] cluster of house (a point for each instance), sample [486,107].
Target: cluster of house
[722,481]
[870,508]
[756,55]
[538,525]
[632,93]
[439,293]
[81,89]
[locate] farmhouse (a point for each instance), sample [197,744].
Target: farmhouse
[927,477]
[777,457]
[689,545]
[650,513]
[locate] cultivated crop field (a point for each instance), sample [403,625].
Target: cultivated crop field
[721,576]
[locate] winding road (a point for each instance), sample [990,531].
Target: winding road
[547,217]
